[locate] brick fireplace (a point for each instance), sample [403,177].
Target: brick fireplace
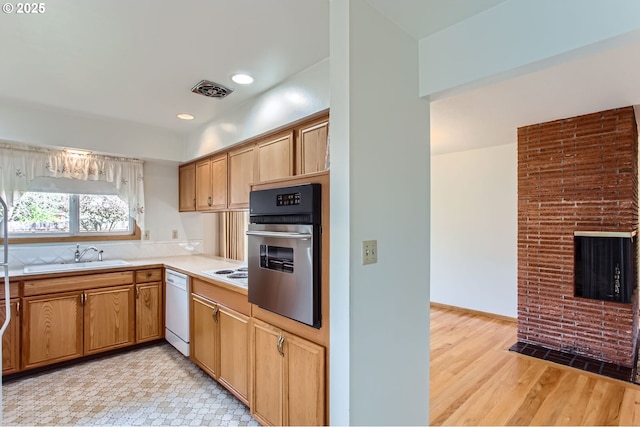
[575,174]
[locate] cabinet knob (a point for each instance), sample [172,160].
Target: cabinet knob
[215,314]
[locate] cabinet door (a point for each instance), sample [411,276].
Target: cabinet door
[187,188]
[311,147]
[203,185]
[234,352]
[241,175]
[11,339]
[219,182]
[109,320]
[51,329]
[204,334]
[149,311]
[267,390]
[275,157]
[305,382]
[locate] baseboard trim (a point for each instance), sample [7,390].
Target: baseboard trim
[475,312]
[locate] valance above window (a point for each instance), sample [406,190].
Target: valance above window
[23,168]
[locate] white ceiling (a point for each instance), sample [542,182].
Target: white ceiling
[137,61]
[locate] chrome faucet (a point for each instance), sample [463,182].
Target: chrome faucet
[78,255]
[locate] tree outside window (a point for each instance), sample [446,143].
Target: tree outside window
[69,214]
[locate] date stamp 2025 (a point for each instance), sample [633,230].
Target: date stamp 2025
[24,8]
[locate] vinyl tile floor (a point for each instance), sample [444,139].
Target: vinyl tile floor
[144,387]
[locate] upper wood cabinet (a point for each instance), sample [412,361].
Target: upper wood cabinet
[187,188]
[222,181]
[241,175]
[311,146]
[275,157]
[203,185]
[211,183]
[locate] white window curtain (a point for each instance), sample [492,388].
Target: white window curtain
[20,165]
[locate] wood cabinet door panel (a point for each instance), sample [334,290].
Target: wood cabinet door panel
[241,175]
[187,188]
[52,328]
[11,339]
[234,352]
[305,382]
[275,158]
[204,335]
[312,148]
[267,385]
[219,182]
[203,185]
[149,312]
[109,318]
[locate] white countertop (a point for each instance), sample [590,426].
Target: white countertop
[192,265]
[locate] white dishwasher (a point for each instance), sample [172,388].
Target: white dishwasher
[177,310]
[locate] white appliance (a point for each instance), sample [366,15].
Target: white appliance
[4,218]
[177,310]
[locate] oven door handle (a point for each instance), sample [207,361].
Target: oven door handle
[280,235]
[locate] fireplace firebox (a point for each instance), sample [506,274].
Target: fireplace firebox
[604,266]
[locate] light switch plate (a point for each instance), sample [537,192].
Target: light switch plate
[369,252]
[145,235]
[174,234]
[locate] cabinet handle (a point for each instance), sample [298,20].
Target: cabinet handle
[194,202]
[209,201]
[18,308]
[280,342]
[137,292]
[215,314]
[83,298]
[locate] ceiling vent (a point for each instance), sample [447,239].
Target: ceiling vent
[211,89]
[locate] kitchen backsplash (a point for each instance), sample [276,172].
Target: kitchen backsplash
[21,255]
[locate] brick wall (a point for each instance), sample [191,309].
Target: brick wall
[574,174]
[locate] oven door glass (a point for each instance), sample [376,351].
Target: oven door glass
[281,277]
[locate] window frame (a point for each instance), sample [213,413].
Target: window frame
[74,234]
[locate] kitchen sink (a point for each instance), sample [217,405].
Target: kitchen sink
[74,266]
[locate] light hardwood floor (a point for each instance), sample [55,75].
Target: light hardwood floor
[475,380]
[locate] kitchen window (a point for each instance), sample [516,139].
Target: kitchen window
[58,195]
[61,214]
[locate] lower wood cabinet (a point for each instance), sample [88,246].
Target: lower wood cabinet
[288,385]
[52,328]
[219,344]
[63,318]
[109,318]
[11,338]
[149,305]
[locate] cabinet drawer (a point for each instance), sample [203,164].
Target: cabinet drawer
[76,283]
[151,275]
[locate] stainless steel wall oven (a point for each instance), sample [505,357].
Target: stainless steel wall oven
[284,251]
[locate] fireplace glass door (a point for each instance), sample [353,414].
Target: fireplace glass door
[604,268]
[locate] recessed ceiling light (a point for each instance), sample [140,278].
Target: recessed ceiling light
[242,79]
[186,116]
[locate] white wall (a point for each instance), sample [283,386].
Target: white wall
[518,36]
[162,216]
[301,95]
[474,228]
[40,126]
[379,190]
